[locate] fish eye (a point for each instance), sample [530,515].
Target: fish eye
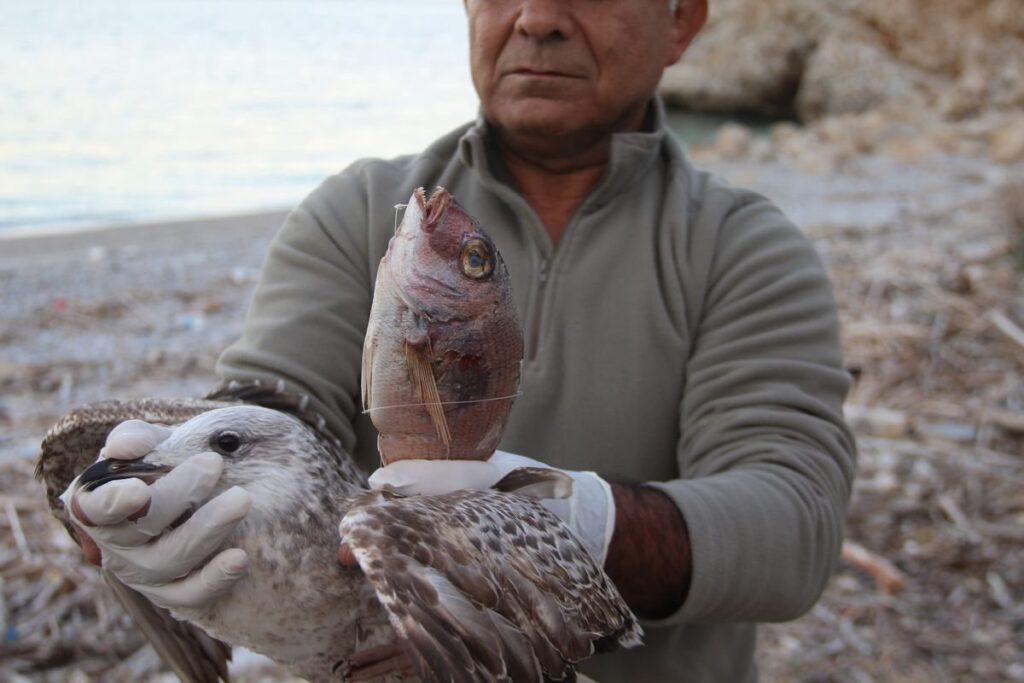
[477,259]
[226,443]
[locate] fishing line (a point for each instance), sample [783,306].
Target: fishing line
[443,403]
[398,207]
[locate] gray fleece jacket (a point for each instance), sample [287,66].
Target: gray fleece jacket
[683,333]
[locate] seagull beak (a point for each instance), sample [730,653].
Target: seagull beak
[108,470]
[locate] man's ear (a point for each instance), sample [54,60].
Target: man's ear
[688,20]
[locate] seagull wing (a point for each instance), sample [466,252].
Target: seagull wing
[485,585]
[192,654]
[72,445]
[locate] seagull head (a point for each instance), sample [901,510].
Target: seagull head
[278,459]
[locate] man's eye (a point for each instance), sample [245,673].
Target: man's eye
[226,442]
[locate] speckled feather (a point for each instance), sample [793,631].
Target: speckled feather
[486,586]
[480,585]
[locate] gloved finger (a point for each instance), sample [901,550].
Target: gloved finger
[592,514]
[132,439]
[201,587]
[435,477]
[181,550]
[110,504]
[178,492]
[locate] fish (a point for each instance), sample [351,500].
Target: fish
[443,349]
[463,586]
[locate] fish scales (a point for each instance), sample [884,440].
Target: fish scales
[443,347]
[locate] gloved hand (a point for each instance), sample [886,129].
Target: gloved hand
[589,510]
[130,523]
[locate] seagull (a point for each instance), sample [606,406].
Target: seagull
[466,586]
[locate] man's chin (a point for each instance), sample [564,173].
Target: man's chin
[540,118]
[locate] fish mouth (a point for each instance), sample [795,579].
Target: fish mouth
[109,470]
[435,208]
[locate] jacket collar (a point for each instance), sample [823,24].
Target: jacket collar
[631,154]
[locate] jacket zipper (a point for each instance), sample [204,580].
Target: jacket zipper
[554,255]
[537,313]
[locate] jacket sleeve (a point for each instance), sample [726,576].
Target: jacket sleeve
[765,459]
[304,329]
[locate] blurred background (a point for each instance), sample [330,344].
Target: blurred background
[118,111]
[149,150]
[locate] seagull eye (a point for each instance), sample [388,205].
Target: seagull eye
[226,442]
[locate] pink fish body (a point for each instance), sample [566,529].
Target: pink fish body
[443,347]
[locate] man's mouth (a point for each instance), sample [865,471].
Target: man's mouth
[536,72]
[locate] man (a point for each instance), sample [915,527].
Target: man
[679,332]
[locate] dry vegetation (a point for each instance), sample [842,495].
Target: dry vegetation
[931,315]
[929,589]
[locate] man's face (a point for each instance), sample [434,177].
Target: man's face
[553,68]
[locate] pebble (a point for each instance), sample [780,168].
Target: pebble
[957,432]
[733,141]
[1006,144]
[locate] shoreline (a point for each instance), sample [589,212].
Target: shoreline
[120,311]
[188,230]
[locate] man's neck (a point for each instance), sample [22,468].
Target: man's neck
[554,193]
[555,176]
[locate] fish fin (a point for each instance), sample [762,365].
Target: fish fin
[426,384]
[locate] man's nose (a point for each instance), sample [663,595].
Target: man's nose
[546,19]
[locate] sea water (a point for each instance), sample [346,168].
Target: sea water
[118,111]
[114,111]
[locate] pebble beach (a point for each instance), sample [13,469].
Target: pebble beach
[890,131]
[926,263]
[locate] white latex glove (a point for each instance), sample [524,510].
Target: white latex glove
[589,510]
[129,522]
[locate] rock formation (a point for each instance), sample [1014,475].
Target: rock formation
[814,58]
